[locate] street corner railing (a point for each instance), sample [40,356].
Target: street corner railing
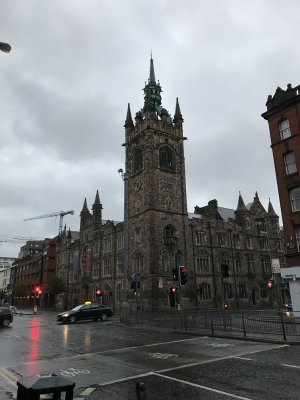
[252,324]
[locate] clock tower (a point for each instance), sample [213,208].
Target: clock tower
[157,207]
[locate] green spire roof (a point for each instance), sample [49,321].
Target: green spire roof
[152,74]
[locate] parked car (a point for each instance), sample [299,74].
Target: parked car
[6,316]
[84,312]
[289,306]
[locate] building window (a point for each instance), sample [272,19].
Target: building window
[263,243]
[107,244]
[238,264]
[228,291]
[118,292]
[119,266]
[164,262]
[97,246]
[290,163]
[138,161]
[295,199]
[249,243]
[169,231]
[137,235]
[242,291]
[138,262]
[222,240]
[297,234]
[250,263]
[201,238]
[204,291]
[96,270]
[166,158]
[236,241]
[265,265]
[106,267]
[284,128]
[202,262]
[120,242]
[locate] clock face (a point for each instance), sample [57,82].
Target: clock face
[137,185]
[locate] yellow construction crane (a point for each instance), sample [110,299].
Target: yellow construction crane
[61,215]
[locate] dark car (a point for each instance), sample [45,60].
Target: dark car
[84,312]
[6,316]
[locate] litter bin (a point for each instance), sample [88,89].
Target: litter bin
[32,388]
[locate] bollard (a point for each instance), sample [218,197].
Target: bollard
[35,309]
[140,391]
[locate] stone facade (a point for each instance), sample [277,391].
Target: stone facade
[227,252]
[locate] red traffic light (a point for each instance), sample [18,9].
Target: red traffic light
[99,292]
[173,289]
[269,284]
[38,290]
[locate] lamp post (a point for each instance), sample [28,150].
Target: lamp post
[124,177]
[5,47]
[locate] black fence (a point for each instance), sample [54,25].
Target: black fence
[280,326]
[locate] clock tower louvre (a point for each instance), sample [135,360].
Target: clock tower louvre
[157,205]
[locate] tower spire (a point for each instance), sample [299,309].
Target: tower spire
[152,74]
[177,115]
[129,121]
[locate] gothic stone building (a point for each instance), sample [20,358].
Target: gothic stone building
[227,252]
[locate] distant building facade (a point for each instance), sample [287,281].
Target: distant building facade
[283,116]
[227,252]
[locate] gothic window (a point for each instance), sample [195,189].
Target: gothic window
[96,270]
[107,244]
[202,262]
[295,199]
[118,292]
[263,243]
[137,235]
[250,263]
[224,260]
[290,163]
[201,238]
[265,265]
[178,258]
[242,290]
[167,158]
[222,240]
[205,291]
[169,231]
[228,291]
[106,266]
[168,204]
[120,242]
[284,128]
[238,263]
[119,266]
[138,262]
[138,161]
[236,241]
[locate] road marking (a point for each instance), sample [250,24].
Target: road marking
[163,356]
[243,358]
[291,366]
[87,391]
[203,387]
[9,377]
[128,378]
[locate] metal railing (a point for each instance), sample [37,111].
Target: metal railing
[281,326]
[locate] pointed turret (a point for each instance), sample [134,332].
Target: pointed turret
[152,97]
[151,79]
[177,116]
[129,121]
[271,211]
[85,207]
[241,205]
[97,212]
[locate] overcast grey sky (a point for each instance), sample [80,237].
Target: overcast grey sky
[75,65]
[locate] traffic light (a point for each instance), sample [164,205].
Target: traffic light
[38,291]
[99,293]
[175,274]
[269,284]
[183,272]
[172,296]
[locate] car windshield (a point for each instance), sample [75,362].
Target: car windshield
[76,308]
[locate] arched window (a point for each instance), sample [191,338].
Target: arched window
[167,158]
[295,199]
[228,291]
[138,161]
[138,262]
[119,292]
[204,291]
[202,262]
[284,128]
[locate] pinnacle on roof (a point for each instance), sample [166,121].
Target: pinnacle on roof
[151,74]
[271,211]
[177,115]
[85,207]
[129,121]
[241,205]
[97,198]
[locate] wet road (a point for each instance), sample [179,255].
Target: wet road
[171,365]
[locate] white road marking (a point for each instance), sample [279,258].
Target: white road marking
[243,358]
[291,366]
[204,387]
[127,378]
[87,391]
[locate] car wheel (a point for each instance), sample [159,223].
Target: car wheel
[6,322]
[103,317]
[72,320]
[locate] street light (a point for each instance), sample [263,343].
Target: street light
[5,47]
[125,263]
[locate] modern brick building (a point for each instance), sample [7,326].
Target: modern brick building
[283,116]
[227,252]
